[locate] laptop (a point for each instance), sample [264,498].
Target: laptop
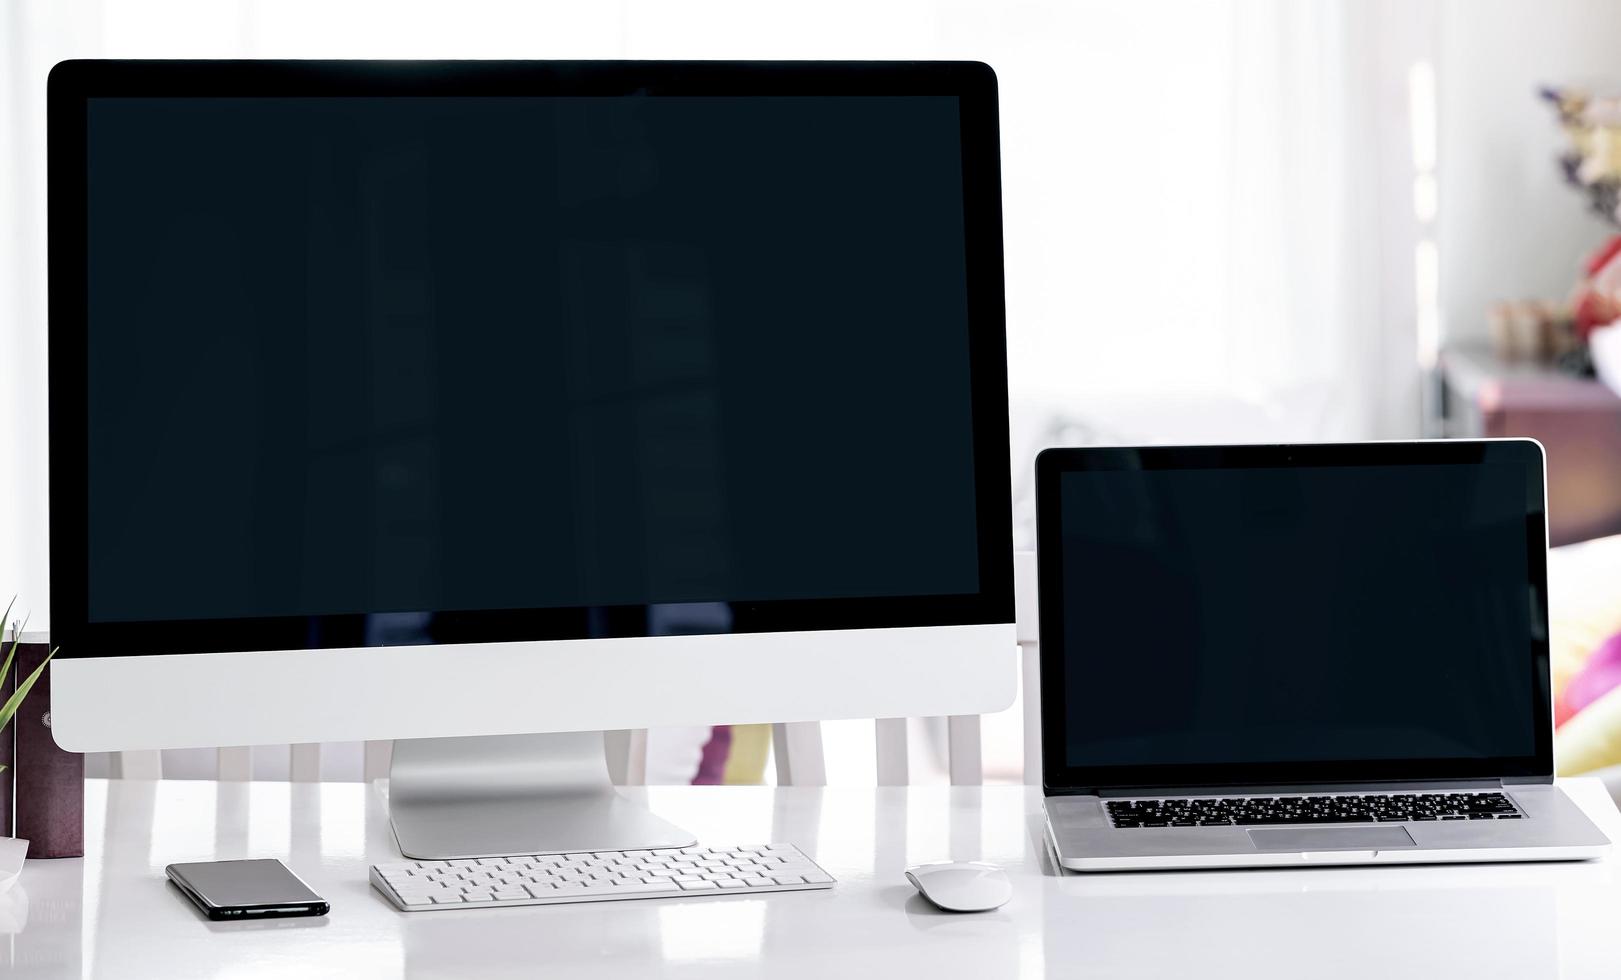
[1274,656]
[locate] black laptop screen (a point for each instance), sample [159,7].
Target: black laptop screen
[1267,617]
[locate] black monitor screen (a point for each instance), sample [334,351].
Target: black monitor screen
[1273,617]
[374,354]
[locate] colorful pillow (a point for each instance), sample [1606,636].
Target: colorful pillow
[1584,604]
[1584,645]
[1596,679]
[1591,739]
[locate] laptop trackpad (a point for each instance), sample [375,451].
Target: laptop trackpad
[1330,838]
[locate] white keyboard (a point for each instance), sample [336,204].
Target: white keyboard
[602,876]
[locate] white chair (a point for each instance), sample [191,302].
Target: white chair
[796,746]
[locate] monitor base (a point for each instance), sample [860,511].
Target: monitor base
[503,795]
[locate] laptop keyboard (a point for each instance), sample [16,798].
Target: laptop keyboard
[1225,811]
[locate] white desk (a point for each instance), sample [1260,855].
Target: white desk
[112,915]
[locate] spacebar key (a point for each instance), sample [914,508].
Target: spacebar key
[633,890]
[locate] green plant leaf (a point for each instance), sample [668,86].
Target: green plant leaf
[16,638]
[14,702]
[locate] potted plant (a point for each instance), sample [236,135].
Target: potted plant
[13,850]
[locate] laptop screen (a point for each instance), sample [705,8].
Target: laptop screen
[1307,614]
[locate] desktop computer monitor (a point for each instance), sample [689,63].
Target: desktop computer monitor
[489,405]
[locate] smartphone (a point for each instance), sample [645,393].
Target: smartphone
[264,889]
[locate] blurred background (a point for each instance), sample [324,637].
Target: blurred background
[1225,220]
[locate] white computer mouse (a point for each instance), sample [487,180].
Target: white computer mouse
[961,886]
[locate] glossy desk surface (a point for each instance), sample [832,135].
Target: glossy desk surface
[111,914]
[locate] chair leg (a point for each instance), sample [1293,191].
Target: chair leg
[964,757]
[1030,654]
[377,755]
[798,747]
[143,764]
[235,763]
[304,764]
[890,736]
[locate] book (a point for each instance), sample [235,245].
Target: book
[49,780]
[8,743]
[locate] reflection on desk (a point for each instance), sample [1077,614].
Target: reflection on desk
[112,914]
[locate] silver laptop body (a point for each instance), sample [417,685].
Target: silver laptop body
[1282,656]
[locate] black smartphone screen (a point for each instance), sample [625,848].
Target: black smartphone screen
[246,889]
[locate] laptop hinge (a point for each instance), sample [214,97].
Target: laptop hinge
[1362,786]
[1528,780]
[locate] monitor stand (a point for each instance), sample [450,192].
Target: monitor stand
[502,795]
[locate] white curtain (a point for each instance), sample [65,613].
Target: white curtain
[1297,321]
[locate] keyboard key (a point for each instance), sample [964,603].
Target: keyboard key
[698,885]
[425,894]
[640,890]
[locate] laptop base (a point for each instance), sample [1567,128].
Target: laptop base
[1082,838]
